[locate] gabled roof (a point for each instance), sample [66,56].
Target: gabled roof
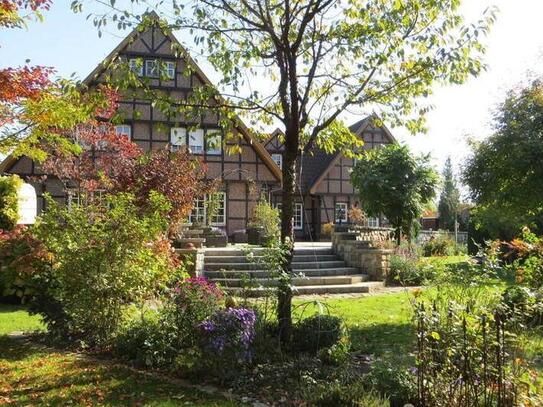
[238,123]
[316,166]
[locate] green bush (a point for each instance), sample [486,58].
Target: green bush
[317,332]
[388,378]
[9,207]
[147,342]
[438,246]
[266,219]
[105,256]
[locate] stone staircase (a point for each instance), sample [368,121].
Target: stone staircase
[318,270]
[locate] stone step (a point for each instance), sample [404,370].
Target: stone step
[248,274]
[208,265]
[243,258]
[298,282]
[318,251]
[364,287]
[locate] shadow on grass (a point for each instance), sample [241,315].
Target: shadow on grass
[30,375]
[380,339]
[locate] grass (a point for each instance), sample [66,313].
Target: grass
[16,318]
[33,375]
[378,324]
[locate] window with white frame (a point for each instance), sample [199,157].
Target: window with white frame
[278,158]
[213,142]
[151,68]
[75,198]
[219,218]
[198,213]
[168,69]
[196,141]
[136,66]
[178,138]
[341,212]
[124,130]
[372,222]
[298,216]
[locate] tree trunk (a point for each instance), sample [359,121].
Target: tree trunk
[284,297]
[398,236]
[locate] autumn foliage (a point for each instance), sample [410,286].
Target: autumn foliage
[176,175]
[13,13]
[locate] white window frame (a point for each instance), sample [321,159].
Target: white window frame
[124,130]
[196,141]
[221,213]
[213,141]
[168,69]
[136,66]
[372,222]
[151,68]
[345,207]
[198,212]
[278,159]
[298,215]
[178,138]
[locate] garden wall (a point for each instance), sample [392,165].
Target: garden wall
[369,234]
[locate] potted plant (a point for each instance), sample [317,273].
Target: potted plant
[264,226]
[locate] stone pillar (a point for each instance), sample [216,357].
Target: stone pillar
[194,259]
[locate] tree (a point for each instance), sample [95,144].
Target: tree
[449,200]
[320,58]
[504,172]
[35,107]
[394,183]
[178,176]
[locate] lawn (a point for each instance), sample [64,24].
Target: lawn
[34,375]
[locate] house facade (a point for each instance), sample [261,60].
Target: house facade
[325,192]
[246,168]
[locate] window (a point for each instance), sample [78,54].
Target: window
[278,158]
[341,212]
[168,70]
[298,216]
[196,141]
[198,213]
[372,222]
[202,205]
[136,66]
[124,130]
[214,142]
[84,199]
[219,218]
[151,68]
[178,138]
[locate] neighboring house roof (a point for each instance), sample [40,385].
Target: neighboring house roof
[316,166]
[240,126]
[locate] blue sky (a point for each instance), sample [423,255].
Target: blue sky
[70,43]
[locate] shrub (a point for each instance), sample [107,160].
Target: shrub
[9,206]
[317,332]
[22,257]
[524,303]
[266,218]
[226,339]
[438,246]
[190,302]
[104,257]
[388,378]
[406,270]
[147,342]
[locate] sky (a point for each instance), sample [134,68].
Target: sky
[70,43]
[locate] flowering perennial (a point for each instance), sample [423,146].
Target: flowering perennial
[230,330]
